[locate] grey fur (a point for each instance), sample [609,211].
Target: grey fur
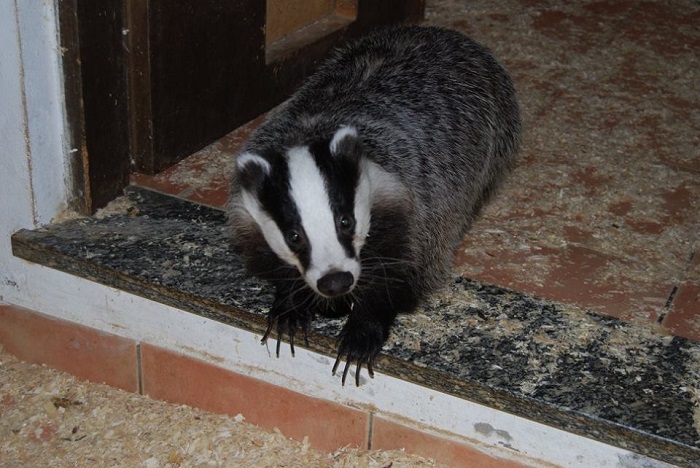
[430,106]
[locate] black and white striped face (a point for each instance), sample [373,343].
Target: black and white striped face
[312,205]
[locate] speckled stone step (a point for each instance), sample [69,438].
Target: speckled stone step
[598,377]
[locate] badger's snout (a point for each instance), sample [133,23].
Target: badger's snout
[335,283]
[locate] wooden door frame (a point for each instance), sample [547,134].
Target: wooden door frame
[99,164]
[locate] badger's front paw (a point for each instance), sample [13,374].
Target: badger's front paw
[287,322]
[360,343]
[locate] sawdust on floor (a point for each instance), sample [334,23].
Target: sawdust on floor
[49,418]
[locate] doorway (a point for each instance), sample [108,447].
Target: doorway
[149,82]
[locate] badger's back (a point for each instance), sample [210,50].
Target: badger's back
[431,107]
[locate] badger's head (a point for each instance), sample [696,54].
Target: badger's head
[312,205]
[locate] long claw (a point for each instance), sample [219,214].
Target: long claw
[335,366]
[345,371]
[279,343]
[266,335]
[366,362]
[286,324]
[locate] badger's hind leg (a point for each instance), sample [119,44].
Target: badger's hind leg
[290,312]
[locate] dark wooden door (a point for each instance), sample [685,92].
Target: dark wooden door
[152,81]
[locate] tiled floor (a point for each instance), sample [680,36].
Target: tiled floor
[603,210]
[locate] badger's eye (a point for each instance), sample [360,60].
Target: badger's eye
[346,224]
[293,238]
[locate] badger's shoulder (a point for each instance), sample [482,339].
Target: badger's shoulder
[389,192]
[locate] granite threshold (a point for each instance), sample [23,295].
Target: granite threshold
[595,376]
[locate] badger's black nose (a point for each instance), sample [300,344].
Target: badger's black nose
[336,283]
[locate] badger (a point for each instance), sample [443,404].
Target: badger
[352,198]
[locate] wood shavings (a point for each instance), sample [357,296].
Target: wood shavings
[117,206]
[52,419]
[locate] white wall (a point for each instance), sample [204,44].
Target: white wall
[33,179]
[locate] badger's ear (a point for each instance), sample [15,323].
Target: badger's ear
[251,170]
[345,142]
